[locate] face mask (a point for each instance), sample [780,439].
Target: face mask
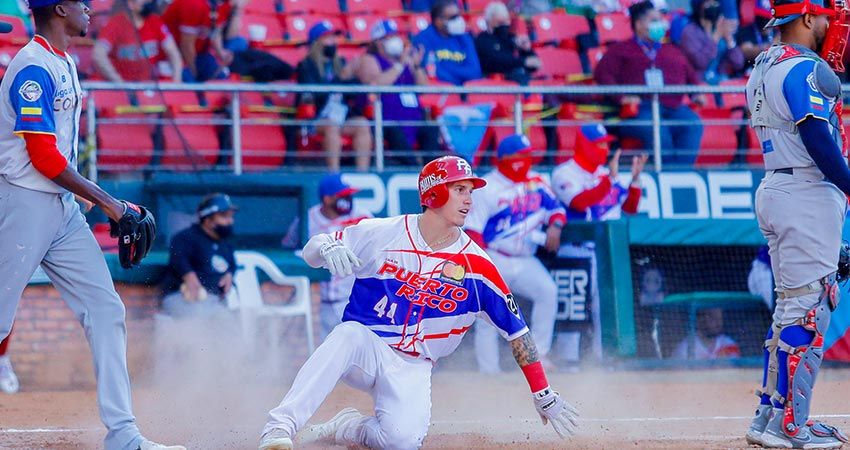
[516,169]
[456,26]
[343,206]
[223,231]
[657,30]
[394,46]
[712,13]
[502,30]
[329,51]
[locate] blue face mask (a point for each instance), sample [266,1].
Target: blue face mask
[657,30]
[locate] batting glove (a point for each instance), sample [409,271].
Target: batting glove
[339,259]
[552,408]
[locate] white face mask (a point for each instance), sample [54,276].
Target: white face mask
[394,46]
[456,26]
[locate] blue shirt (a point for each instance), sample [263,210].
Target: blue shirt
[193,250]
[455,56]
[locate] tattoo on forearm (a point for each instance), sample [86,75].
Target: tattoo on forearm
[525,352]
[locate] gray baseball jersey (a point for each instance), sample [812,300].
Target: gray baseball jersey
[41,224]
[800,213]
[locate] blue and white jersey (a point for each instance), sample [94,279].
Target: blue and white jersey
[40,93]
[569,180]
[419,301]
[508,213]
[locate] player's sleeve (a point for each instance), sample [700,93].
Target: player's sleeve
[31,95]
[555,212]
[803,95]
[498,306]
[361,240]
[565,187]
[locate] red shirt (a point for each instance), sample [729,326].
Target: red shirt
[132,61]
[193,17]
[625,63]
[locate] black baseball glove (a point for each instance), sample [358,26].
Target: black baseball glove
[136,231]
[843,263]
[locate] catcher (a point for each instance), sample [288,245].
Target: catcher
[41,224]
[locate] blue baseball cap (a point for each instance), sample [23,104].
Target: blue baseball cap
[383,29]
[215,203]
[320,29]
[41,3]
[332,185]
[776,21]
[596,133]
[512,145]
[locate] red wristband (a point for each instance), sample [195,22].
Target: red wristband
[535,376]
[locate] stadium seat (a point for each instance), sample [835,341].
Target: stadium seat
[262,28]
[263,143]
[418,22]
[613,27]
[297,26]
[19,34]
[311,6]
[736,100]
[560,63]
[556,27]
[503,102]
[475,23]
[385,7]
[719,140]
[360,27]
[190,142]
[436,103]
[124,147]
[477,5]
[111,102]
[754,153]
[291,54]
[178,101]
[265,7]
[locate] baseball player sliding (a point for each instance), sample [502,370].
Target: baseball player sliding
[507,220]
[794,98]
[420,283]
[40,223]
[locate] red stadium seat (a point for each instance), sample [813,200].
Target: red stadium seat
[475,23]
[298,26]
[311,6]
[558,26]
[754,152]
[503,102]
[613,27]
[477,5]
[559,63]
[125,147]
[290,54]
[177,101]
[266,7]
[262,28]
[360,27]
[418,22]
[719,140]
[384,7]
[194,146]
[110,102]
[263,143]
[736,100]
[19,34]
[436,103]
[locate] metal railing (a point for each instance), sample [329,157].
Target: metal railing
[515,118]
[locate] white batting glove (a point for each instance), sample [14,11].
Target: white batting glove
[553,408]
[339,259]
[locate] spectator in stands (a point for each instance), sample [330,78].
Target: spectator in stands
[201,262]
[207,34]
[502,52]
[644,59]
[134,42]
[338,115]
[755,37]
[449,50]
[708,40]
[8,380]
[335,212]
[389,63]
[709,342]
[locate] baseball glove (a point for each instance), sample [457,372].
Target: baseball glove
[843,263]
[136,231]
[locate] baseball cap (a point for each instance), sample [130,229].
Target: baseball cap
[512,145]
[332,185]
[215,203]
[383,29]
[596,133]
[320,29]
[41,3]
[776,21]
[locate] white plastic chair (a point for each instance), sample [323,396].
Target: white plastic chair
[248,297]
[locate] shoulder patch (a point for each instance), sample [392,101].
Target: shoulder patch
[824,80]
[30,91]
[788,52]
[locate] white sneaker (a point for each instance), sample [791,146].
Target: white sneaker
[151,445]
[326,432]
[276,439]
[8,380]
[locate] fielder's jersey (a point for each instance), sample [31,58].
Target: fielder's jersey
[569,180]
[337,289]
[40,93]
[420,301]
[782,91]
[508,213]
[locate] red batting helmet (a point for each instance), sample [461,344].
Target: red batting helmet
[437,174]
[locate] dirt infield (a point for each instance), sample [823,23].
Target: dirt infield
[637,410]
